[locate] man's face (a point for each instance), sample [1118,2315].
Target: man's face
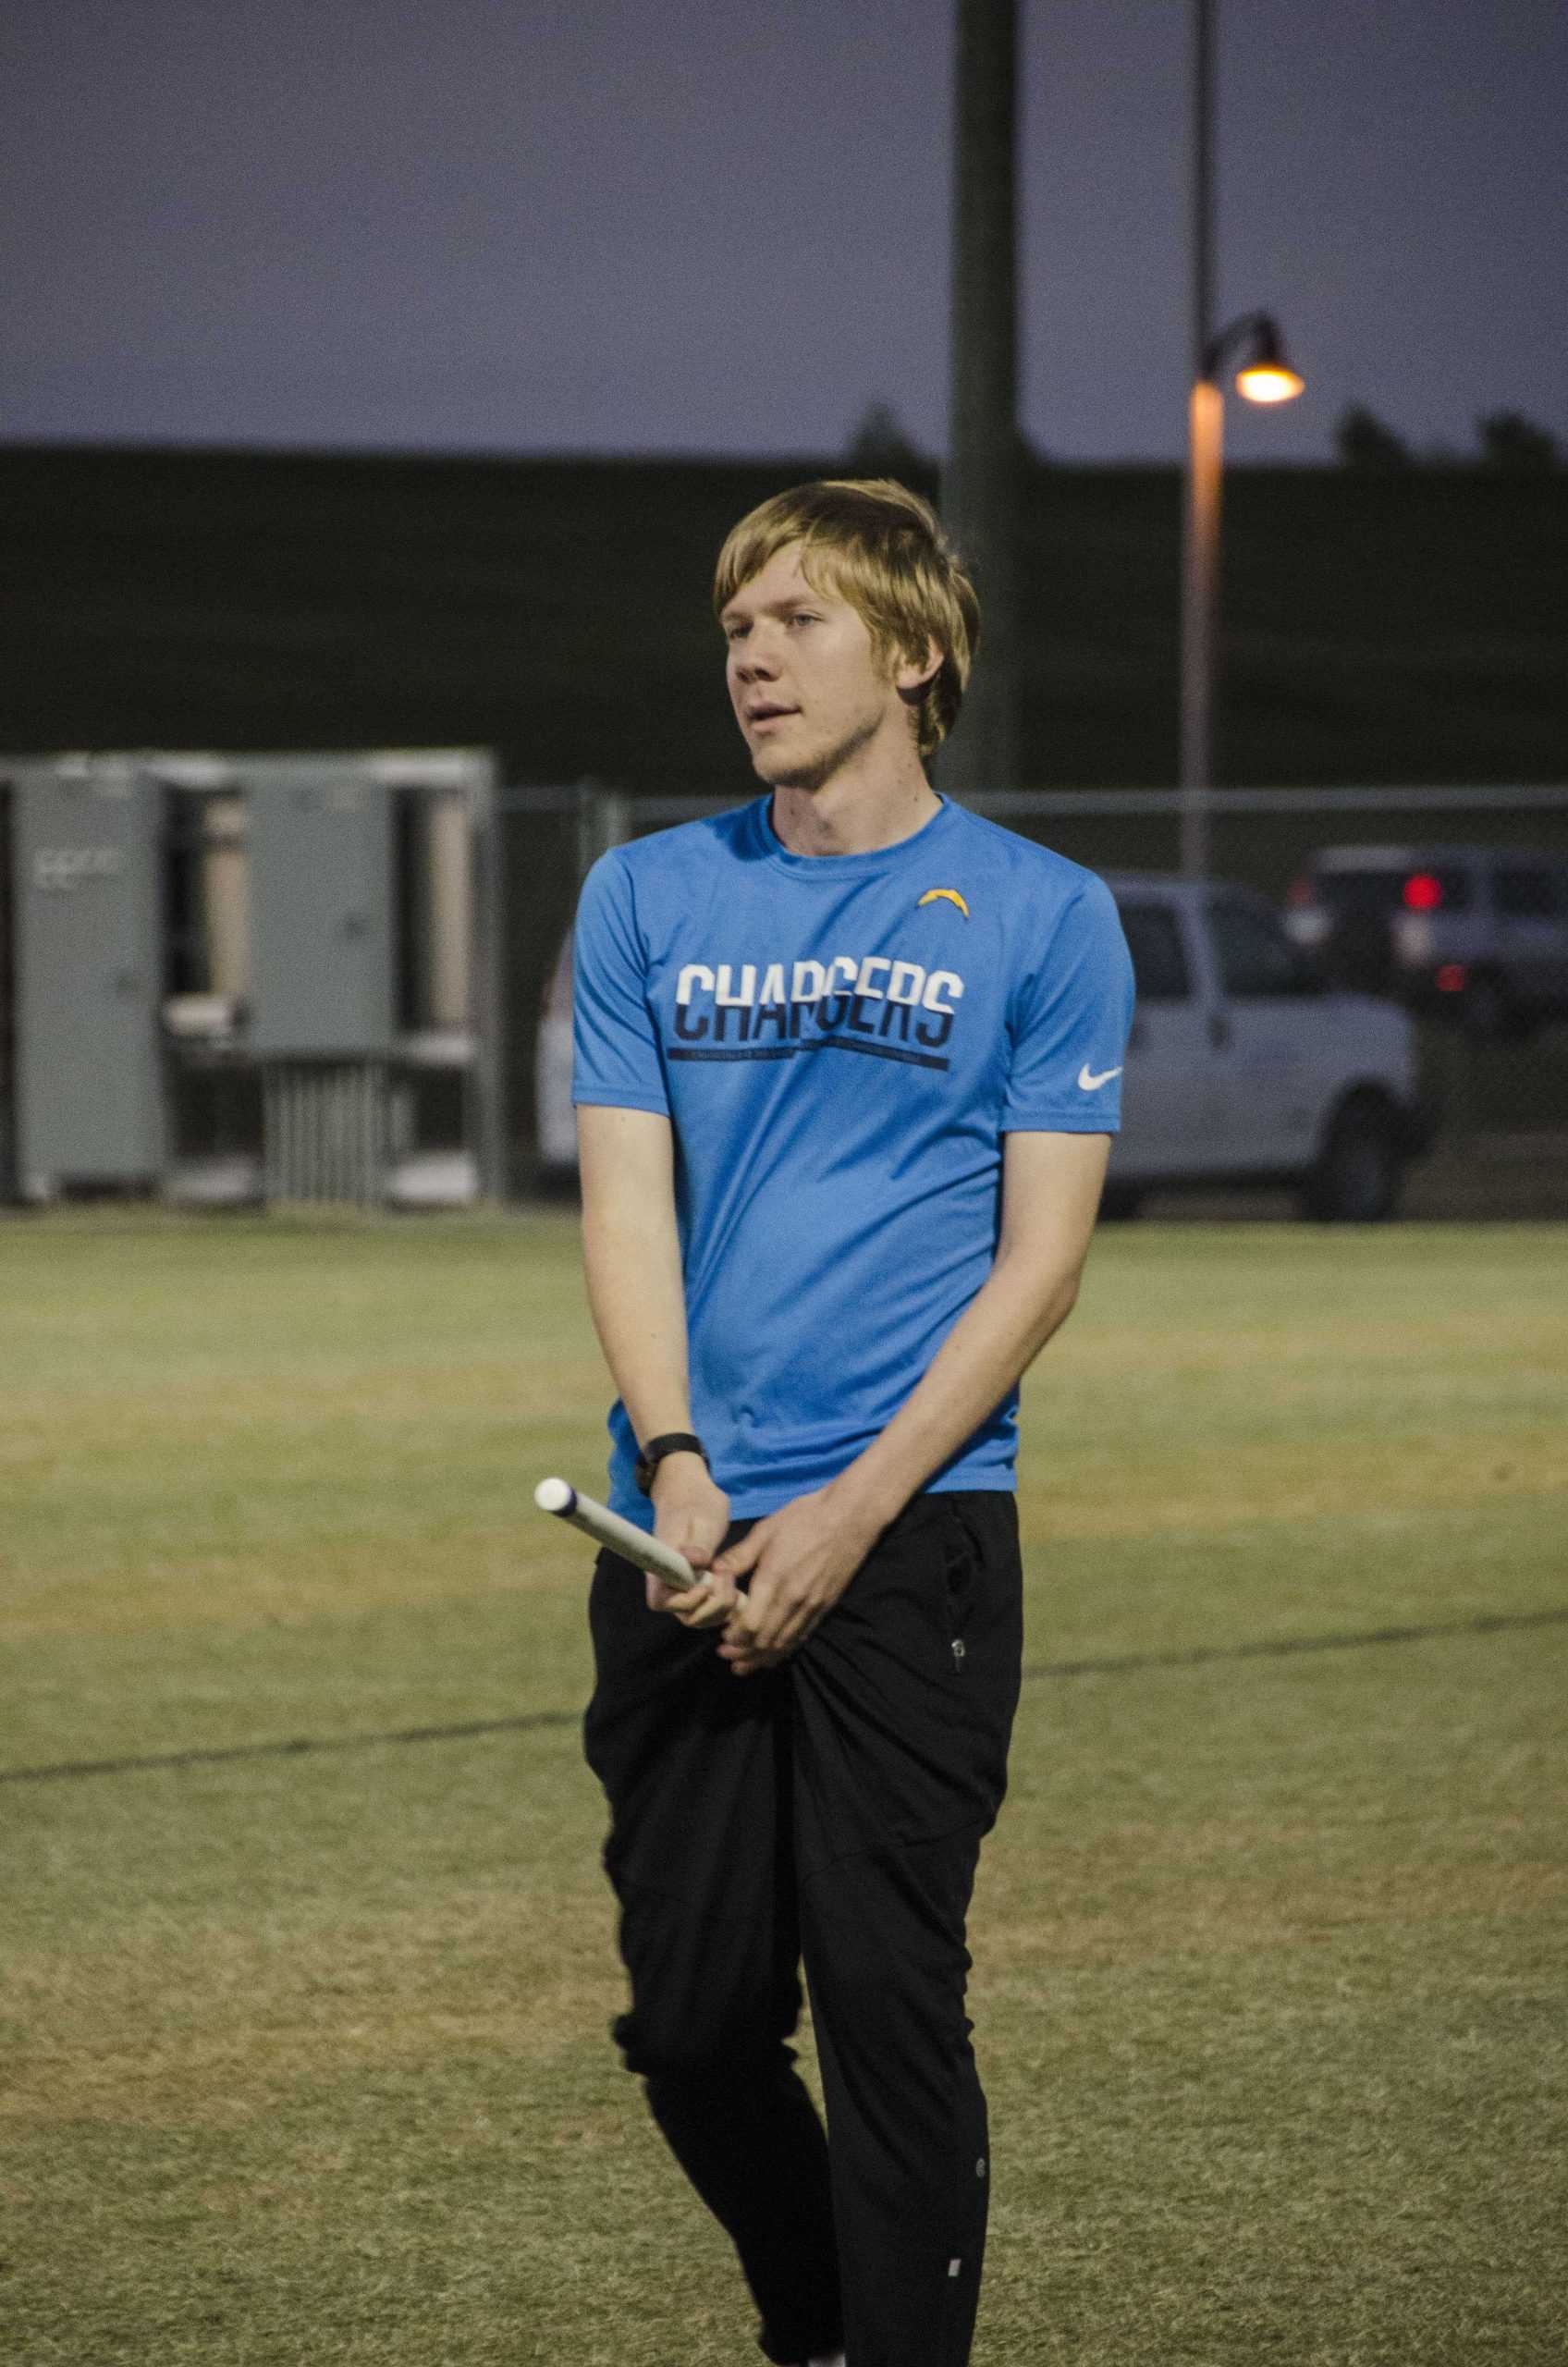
[807,688]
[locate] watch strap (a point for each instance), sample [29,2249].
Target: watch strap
[653,1454]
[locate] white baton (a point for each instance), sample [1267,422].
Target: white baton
[622,1537]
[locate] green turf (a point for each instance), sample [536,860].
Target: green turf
[306,2053]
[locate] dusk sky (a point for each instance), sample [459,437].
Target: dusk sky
[511,227]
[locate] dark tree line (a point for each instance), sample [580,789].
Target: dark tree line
[1504,439]
[882,446]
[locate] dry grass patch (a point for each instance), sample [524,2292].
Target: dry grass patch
[307,2055]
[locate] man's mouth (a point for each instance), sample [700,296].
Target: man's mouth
[767,711]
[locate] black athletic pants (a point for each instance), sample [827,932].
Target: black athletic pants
[829,1811]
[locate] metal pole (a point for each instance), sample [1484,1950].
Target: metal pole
[225,895]
[1200,587]
[980,490]
[1200,555]
[1203,181]
[448,849]
[489,1127]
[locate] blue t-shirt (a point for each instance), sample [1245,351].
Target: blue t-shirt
[841,1043]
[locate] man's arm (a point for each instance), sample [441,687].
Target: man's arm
[804,1556]
[631,1260]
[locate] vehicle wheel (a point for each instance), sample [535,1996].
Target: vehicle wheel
[1360,1168]
[1120,1203]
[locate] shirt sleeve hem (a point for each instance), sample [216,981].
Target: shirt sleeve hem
[612,1097]
[1058,1121]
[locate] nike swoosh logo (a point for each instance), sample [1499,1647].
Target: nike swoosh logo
[1089,1083]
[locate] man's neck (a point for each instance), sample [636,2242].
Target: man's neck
[853,816]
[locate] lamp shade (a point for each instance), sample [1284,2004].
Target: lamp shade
[1265,376]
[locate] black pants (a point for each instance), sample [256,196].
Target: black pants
[829,1811]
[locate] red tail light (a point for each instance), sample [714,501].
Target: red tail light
[1451,978]
[1299,892]
[1423,893]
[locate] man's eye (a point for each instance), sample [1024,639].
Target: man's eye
[805,617]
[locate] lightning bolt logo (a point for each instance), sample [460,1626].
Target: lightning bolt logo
[948,895]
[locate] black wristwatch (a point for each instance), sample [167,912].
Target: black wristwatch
[653,1454]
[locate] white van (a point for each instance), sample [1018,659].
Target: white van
[1246,1067]
[1243,1067]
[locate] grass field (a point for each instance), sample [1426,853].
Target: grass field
[306,1956]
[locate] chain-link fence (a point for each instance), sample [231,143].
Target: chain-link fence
[1454,901]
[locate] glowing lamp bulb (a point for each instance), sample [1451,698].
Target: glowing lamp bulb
[1269,382]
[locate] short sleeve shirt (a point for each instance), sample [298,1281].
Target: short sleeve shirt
[841,1043]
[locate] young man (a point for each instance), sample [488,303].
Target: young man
[847,1072]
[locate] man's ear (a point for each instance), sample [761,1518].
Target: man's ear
[914,674]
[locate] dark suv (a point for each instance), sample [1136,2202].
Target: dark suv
[1482,932]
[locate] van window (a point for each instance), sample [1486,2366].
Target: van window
[1160,960]
[1253,953]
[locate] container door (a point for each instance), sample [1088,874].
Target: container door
[320,839]
[88,916]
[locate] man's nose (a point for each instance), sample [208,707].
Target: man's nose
[759,658]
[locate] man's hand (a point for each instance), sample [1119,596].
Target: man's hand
[691,1513]
[801,1558]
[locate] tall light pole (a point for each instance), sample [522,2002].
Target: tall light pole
[980,485]
[1264,375]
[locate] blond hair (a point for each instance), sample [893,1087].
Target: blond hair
[881,548]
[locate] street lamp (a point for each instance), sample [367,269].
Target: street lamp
[1264,375]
